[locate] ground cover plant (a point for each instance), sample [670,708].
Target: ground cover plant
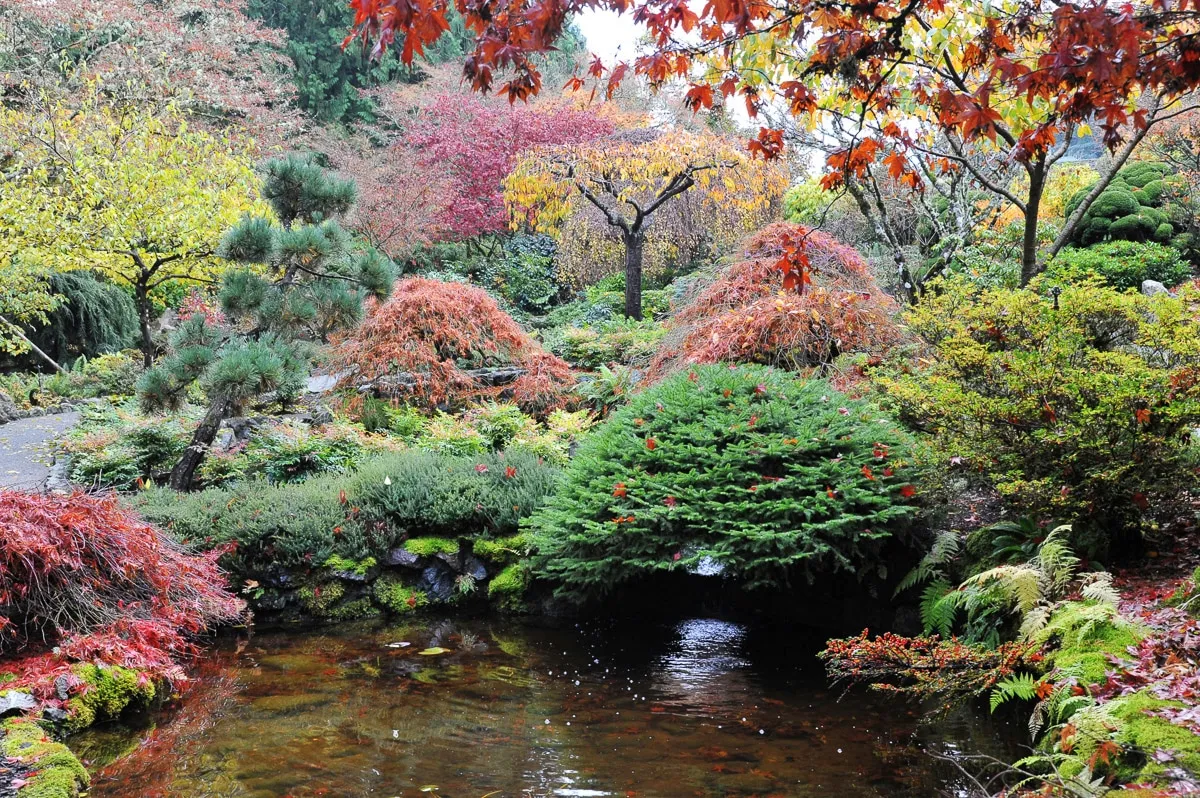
[775,480]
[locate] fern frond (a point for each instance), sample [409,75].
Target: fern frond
[939,607]
[944,549]
[1022,686]
[1098,587]
[1034,621]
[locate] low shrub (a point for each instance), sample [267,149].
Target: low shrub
[115,448]
[770,478]
[299,527]
[98,585]
[1075,409]
[615,341]
[743,314]
[430,335]
[423,494]
[1124,264]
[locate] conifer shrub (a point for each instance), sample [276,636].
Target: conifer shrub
[91,582]
[434,333]
[1078,408]
[774,479]
[1124,264]
[743,314]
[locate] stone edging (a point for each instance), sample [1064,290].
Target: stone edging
[51,410]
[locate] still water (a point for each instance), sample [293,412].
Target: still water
[467,709]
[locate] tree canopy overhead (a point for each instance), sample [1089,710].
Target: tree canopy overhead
[1017,79]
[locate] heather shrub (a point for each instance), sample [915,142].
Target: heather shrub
[614,341]
[1124,264]
[424,494]
[743,314]
[97,584]
[1080,411]
[773,479]
[259,525]
[430,335]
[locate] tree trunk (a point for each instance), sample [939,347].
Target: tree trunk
[142,298]
[634,245]
[34,347]
[184,472]
[1029,243]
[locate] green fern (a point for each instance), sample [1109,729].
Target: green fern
[944,549]
[939,607]
[1022,687]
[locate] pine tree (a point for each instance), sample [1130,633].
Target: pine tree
[300,280]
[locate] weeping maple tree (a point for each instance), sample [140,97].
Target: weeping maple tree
[630,178]
[302,279]
[1020,79]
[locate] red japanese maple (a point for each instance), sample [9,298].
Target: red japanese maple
[85,576]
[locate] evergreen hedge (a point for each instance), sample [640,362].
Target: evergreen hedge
[771,478]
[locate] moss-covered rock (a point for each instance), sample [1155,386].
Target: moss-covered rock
[503,551]
[1086,634]
[507,588]
[429,547]
[319,599]
[55,771]
[106,692]
[1144,734]
[393,595]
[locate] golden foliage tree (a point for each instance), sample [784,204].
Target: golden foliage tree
[135,194]
[633,181]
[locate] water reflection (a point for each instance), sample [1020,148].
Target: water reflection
[684,710]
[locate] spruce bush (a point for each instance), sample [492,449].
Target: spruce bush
[771,478]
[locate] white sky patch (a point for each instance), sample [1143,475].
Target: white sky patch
[610,35]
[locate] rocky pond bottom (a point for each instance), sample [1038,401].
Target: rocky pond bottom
[480,708]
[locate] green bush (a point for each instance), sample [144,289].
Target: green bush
[1138,205]
[425,494]
[293,526]
[1080,412]
[615,341]
[770,478]
[1125,264]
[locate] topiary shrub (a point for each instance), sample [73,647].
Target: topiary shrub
[743,314]
[1124,264]
[429,335]
[1080,409]
[1135,206]
[770,478]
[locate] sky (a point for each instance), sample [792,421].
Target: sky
[609,34]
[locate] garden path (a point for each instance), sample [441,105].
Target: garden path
[26,449]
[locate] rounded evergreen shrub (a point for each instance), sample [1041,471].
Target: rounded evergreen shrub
[742,468]
[1125,264]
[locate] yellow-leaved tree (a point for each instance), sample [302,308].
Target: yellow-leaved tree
[650,189]
[131,192]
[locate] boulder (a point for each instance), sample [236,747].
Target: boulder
[437,582]
[1153,288]
[15,701]
[8,409]
[404,558]
[475,568]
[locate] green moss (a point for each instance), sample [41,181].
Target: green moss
[57,772]
[107,692]
[1086,634]
[352,610]
[396,597]
[428,547]
[503,550]
[508,586]
[1146,734]
[360,567]
[319,599]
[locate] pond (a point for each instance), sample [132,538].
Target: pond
[465,709]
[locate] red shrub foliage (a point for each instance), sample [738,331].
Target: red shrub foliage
[83,575]
[746,315]
[435,333]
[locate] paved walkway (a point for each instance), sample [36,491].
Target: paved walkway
[25,449]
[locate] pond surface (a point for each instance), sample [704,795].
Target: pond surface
[695,708]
